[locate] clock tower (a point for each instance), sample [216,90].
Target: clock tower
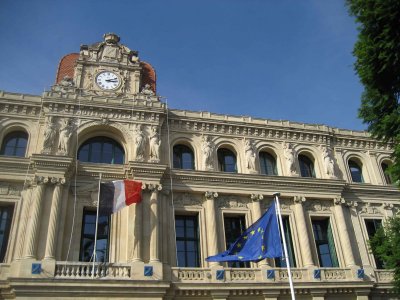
[108,69]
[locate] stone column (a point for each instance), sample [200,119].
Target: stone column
[344,233]
[34,221]
[136,211]
[211,225]
[154,224]
[54,218]
[302,232]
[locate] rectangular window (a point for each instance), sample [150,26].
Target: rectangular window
[6,214]
[187,241]
[281,263]
[325,244]
[88,237]
[372,226]
[234,227]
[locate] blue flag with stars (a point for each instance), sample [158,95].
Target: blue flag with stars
[259,241]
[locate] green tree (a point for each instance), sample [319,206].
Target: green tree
[377,53]
[385,244]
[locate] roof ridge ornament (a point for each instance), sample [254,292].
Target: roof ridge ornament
[111,38]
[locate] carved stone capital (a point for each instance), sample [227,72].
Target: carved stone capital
[57,180]
[210,195]
[256,197]
[154,187]
[41,180]
[352,204]
[299,199]
[339,201]
[388,206]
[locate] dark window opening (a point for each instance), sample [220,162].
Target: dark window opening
[268,164]
[101,150]
[306,166]
[234,228]
[226,161]
[281,262]
[356,171]
[88,237]
[385,167]
[187,241]
[325,244]
[6,214]
[14,144]
[372,226]
[183,157]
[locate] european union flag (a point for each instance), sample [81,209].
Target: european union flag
[259,241]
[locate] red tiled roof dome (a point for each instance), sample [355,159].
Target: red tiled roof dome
[66,66]
[148,75]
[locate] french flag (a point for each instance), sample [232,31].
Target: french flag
[117,194]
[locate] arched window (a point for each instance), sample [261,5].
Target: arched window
[355,171]
[101,149]
[385,166]
[14,144]
[183,157]
[226,160]
[267,164]
[306,166]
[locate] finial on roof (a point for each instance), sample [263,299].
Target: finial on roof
[111,38]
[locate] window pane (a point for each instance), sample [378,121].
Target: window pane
[385,167]
[88,237]
[279,262]
[183,157]
[306,166]
[324,243]
[267,164]
[356,172]
[187,242]
[101,150]
[234,227]
[6,213]
[226,161]
[14,144]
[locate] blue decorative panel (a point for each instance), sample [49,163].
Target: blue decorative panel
[271,274]
[360,273]
[36,269]
[220,274]
[148,270]
[317,274]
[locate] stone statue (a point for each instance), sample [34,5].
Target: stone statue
[328,162]
[65,134]
[250,155]
[207,150]
[288,152]
[50,135]
[146,90]
[140,142]
[155,143]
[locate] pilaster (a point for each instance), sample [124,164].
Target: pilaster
[211,224]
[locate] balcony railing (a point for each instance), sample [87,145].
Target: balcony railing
[81,270]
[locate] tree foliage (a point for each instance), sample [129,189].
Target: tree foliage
[385,245]
[377,53]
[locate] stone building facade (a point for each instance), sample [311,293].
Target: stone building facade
[204,178]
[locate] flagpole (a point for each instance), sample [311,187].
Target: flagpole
[278,210]
[95,232]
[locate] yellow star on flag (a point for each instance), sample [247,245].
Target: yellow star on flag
[253,232]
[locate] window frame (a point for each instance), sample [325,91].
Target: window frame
[379,264]
[264,166]
[279,262]
[10,210]
[329,241]
[243,226]
[353,163]
[103,140]
[19,135]
[82,255]
[179,155]
[384,166]
[306,164]
[185,240]
[222,154]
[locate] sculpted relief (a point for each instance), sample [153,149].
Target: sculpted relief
[289,154]
[155,143]
[139,143]
[207,148]
[250,156]
[329,164]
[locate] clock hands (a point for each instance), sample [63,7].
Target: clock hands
[112,80]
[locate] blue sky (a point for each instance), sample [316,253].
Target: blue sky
[281,60]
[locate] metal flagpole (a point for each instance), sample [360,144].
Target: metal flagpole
[278,210]
[95,232]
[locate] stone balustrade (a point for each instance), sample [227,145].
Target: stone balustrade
[79,270]
[384,275]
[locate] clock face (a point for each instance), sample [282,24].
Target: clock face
[107,80]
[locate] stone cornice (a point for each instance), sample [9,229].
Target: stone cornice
[373,192]
[260,184]
[52,165]
[10,165]
[234,126]
[147,172]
